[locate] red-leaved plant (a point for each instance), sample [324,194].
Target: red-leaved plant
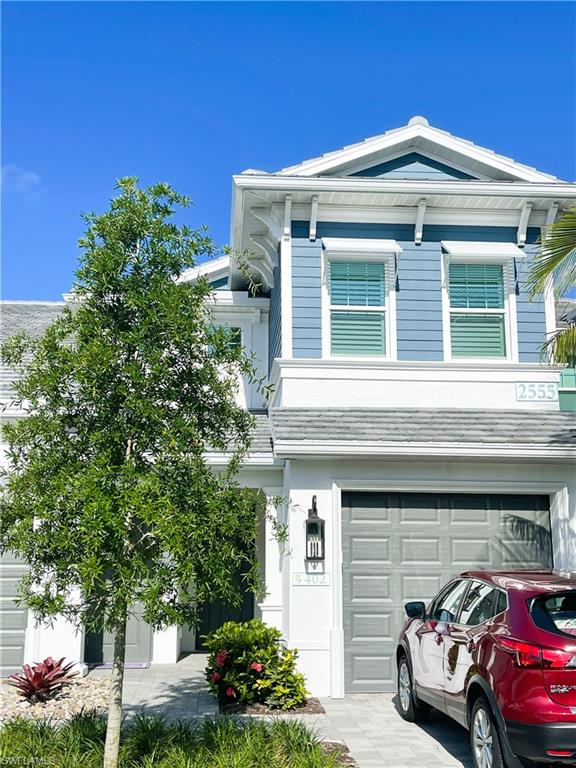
[42,680]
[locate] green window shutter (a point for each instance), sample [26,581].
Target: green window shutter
[358,333]
[476,286]
[357,283]
[477,335]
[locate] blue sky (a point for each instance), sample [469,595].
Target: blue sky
[192,93]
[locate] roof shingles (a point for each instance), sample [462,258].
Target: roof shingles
[412,425]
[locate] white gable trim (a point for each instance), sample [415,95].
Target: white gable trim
[213,270]
[426,153]
[358,153]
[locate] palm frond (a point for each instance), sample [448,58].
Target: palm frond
[561,346]
[556,258]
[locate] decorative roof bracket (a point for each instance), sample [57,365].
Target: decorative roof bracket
[523,224]
[419,226]
[313,217]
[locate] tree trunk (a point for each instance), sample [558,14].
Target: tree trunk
[112,744]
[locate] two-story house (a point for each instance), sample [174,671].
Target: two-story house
[410,396]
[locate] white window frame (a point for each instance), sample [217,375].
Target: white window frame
[509,311]
[357,249]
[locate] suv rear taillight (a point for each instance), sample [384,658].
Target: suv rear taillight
[529,655]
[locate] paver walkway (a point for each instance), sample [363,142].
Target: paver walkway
[368,724]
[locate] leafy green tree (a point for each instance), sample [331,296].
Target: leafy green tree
[109,496]
[556,260]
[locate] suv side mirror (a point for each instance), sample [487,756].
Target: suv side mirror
[416,610]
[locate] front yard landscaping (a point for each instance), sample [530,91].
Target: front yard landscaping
[151,742]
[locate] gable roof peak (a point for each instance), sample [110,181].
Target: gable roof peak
[419,135]
[418,120]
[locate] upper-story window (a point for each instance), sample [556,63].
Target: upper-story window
[357,307]
[477,310]
[359,298]
[479,284]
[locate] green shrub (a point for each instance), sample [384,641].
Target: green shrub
[152,742]
[249,665]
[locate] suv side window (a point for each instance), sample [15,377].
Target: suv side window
[445,607]
[482,603]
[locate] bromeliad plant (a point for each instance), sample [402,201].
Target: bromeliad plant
[249,665]
[42,680]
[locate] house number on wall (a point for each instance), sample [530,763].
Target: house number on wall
[311,579]
[536,392]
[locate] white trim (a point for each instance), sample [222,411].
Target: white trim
[549,298]
[458,253]
[354,245]
[426,153]
[383,448]
[211,269]
[561,191]
[337,628]
[407,134]
[406,214]
[286,280]
[360,363]
[419,226]
[260,460]
[351,249]
[313,217]
[482,251]
[523,224]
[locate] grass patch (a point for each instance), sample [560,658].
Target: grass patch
[151,742]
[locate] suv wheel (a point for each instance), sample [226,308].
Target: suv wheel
[409,708]
[484,737]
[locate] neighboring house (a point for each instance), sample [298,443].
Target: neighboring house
[410,394]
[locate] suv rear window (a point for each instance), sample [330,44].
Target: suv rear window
[556,613]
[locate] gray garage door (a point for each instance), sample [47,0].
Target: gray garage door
[405,546]
[13,618]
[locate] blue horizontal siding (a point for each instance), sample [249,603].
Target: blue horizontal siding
[413,166]
[531,315]
[418,297]
[306,297]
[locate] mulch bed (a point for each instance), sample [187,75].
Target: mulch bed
[346,759]
[311,707]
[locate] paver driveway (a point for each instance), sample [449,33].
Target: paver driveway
[368,724]
[377,737]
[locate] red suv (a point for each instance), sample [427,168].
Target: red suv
[496,651]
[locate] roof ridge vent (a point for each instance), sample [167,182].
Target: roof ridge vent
[418,120]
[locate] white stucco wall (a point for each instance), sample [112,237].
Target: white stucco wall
[345,384]
[314,613]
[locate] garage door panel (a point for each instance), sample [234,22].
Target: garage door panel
[13,617]
[371,626]
[373,589]
[372,671]
[420,550]
[420,587]
[429,539]
[364,550]
[472,550]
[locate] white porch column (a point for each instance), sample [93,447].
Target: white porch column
[286,279]
[270,557]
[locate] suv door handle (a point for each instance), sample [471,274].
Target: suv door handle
[439,639]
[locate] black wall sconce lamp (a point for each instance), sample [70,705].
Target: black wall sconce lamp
[315,535]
